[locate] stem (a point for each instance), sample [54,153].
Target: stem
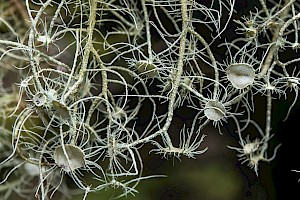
[264,6]
[34,58]
[104,89]
[55,17]
[268,113]
[178,73]
[269,58]
[148,34]
[176,84]
[87,49]
[268,122]
[199,95]
[295,25]
[282,12]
